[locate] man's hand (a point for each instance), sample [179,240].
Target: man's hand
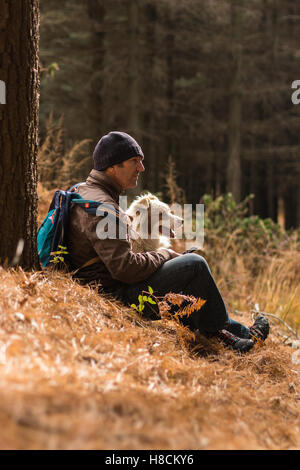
[173,253]
[191,250]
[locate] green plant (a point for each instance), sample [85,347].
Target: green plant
[142,298]
[227,222]
[59,255]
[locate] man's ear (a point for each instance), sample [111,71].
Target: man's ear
[110,171]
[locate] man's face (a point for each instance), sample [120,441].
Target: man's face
[126,175]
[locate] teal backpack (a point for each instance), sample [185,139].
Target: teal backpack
[51,237]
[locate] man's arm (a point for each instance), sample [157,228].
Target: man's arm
[122,263]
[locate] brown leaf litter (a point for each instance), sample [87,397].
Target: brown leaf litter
[81,371]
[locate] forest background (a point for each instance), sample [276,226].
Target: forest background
[205,83]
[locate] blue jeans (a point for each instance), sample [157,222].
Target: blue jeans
[189,274]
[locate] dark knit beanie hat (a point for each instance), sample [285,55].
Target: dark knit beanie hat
[113,148]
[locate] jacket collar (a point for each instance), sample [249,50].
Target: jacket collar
[99,178]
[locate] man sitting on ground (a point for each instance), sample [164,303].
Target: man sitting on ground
[111,263]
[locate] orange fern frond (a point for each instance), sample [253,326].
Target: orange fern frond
[193,303]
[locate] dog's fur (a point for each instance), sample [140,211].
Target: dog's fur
[147,212]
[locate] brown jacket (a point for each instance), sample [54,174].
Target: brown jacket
[117,262]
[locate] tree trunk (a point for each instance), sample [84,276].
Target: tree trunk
[281,212]
[297,215]
[133,77]
[19,33]
[171,130]
[150,91]
[96,11]
[234,173]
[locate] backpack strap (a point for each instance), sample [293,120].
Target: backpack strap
[91,207]
[86,264]
[74,187]
[89,262]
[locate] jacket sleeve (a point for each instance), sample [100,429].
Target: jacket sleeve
[123,264]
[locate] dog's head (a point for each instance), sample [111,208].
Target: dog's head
[152,217]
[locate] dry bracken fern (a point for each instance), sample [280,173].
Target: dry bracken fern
[188,304]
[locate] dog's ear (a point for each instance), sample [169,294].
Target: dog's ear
[154,200]
[145,202]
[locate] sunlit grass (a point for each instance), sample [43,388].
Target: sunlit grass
[79,370]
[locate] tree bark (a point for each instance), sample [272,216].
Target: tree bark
[133,79]
[149,89]
[96,11]
[234,173]
[19,33]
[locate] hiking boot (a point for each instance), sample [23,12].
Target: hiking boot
[234,342]
[260,328]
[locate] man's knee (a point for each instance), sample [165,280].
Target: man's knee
[199,263]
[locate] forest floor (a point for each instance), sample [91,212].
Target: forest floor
[81,371]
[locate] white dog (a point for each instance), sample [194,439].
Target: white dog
[152,223]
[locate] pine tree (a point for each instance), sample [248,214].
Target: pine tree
[19,130]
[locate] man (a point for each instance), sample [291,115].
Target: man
[111,263]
